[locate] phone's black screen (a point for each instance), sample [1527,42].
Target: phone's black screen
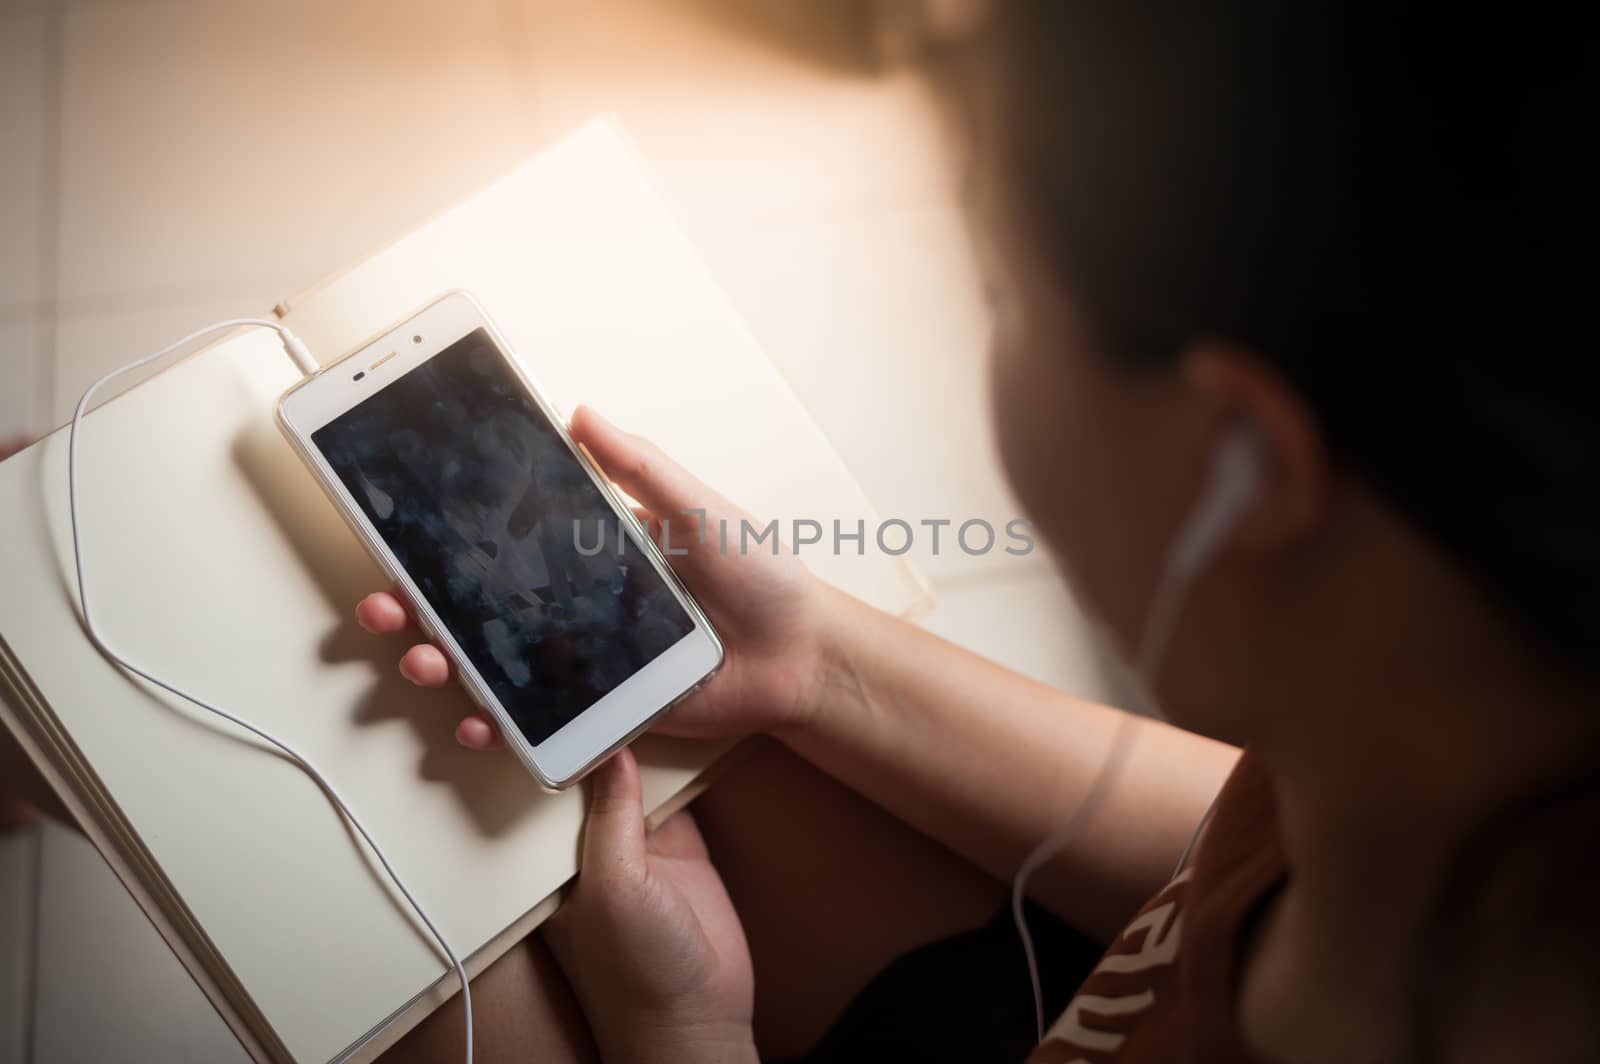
[479,498]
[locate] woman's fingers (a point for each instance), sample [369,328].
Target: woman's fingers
[652,527]
[382,613]
[425,665]
[639,467]
[477,732]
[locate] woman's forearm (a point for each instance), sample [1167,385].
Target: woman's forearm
[989,763]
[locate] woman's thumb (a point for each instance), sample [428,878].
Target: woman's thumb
[639,468]
[614,831]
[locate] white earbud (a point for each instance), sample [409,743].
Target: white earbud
[1233,482]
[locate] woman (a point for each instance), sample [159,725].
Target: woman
[1351,240]
[1354,236]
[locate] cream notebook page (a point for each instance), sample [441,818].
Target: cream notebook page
[579,264]
[216,561]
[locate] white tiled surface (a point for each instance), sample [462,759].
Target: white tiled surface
[24,123]
[168,162]
[214,148]
[19,400]
[25,221]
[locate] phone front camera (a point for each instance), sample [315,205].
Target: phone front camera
[358,376]
[416,339]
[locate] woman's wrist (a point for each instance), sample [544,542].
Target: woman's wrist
[834,684]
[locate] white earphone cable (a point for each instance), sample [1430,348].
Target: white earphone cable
[1234,477]
[1105,779]
[1152,647]
[302,358]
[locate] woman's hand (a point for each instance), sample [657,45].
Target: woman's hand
[649,939]
[766,607]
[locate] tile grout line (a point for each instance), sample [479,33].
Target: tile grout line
[49,264]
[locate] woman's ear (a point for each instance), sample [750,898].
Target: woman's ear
[1296,476]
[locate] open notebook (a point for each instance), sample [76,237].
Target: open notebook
[216,562]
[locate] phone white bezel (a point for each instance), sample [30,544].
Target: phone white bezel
[622,713]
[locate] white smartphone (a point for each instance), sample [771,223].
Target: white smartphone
[559,615]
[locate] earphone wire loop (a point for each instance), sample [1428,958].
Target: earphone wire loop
[298,354]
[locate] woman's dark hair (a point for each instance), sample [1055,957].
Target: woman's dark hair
[1394,207]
